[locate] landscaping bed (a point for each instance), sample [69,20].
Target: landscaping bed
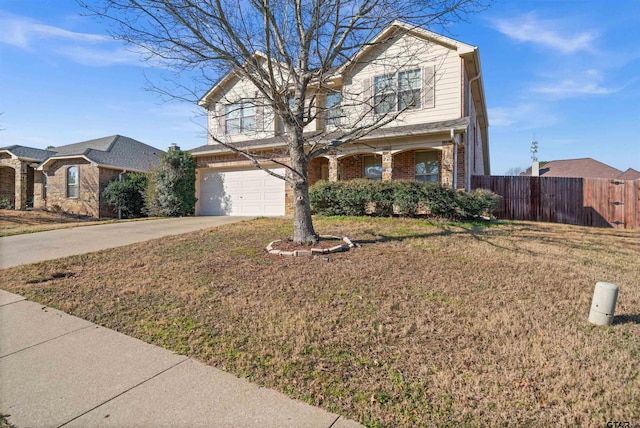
[423,324]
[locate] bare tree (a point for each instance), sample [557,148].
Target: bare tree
[516,170]
[291,51]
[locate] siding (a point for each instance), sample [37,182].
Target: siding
[407,52]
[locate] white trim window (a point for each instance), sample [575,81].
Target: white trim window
[333,105]
[372,165]
[397,91]
[73,183]
[240,117]
[427,166]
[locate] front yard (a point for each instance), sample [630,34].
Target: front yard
[425,324]
[15,222]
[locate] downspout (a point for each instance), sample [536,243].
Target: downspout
[454,139]
[120,180]
[467,161]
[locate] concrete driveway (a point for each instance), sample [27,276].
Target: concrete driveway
[35,247]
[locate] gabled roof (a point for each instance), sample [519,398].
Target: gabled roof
[29,154]
[399,26]
[583,168]
[629,174]
[116,151]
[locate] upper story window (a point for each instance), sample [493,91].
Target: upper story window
[426,168]
[334,109]
[72,182]
[240,117]
[397,91]
[372,167]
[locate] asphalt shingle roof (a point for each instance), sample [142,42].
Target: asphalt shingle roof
[585,168]
[115,151]
[30,153]
[419,129]
[629,174]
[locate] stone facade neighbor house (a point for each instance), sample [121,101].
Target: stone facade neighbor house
[440,135]
[71,178]
[17,173]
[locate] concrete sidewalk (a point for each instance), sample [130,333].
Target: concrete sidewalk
[35,247]
[58,370]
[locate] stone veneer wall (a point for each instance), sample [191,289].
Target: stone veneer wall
[88,202]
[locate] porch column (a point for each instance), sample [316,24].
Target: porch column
[447,165]
[387,166]
[333,168]
[21,186]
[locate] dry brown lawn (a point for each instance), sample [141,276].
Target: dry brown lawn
[423,325]
[15,222]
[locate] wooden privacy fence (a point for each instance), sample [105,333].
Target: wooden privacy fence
[597,202]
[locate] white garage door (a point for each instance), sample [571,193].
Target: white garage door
[247,192]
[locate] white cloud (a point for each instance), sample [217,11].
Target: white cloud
[23,33]
[82,48]
[588,82]
[522,116]
[549,33]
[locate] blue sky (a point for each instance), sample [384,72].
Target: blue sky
[563,72]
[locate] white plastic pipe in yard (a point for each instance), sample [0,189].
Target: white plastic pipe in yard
[603,304]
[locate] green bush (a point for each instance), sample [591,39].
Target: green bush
[5,203]
[127,194]
[477,203]
[172,186]
[407,198]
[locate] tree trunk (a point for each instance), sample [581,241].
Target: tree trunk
[303,231]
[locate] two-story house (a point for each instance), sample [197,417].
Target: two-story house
[440,135]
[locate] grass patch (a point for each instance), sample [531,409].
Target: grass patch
[426,324]
[15,222]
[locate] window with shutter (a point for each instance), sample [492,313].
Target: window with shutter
[397,91]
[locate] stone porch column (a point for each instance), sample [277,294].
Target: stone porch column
[447,165]
[21,186]
[387,166]
[333,168]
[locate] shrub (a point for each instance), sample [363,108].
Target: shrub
[172,186]
[407,198]
[477,203]
[5,204]
[128,194]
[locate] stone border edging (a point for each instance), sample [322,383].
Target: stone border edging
[314,251]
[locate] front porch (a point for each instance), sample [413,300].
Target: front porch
[426,164]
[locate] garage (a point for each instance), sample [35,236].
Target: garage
[246,192]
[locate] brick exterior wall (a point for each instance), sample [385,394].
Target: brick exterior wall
[39,190]
[315,170]
[461,177]
[92,182]
[8,184]
[88,200]
[404,166]
[350,167]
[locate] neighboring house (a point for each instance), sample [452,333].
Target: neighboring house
[629,174]
[17,173]
[584,168]
[71,178]
[441,137]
